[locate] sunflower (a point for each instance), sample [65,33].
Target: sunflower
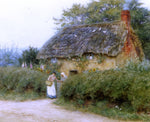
[94,70]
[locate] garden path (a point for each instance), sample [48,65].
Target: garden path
[43,111]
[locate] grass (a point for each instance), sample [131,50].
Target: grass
[20,96]
[103,108]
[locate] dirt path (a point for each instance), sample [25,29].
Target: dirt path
[43,111]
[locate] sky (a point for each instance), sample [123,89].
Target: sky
[25,23]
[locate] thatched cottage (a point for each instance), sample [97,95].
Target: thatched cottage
[97,46]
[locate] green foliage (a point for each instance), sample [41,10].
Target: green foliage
[141,24]
[20,96]
[22,80]
[29,56]
[104,10]
[116,86]
[147,49]
[101,58]
[73,16]
[82,62]
[49,68]
[139,66]
[94,12]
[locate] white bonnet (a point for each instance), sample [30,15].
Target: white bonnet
[63,74]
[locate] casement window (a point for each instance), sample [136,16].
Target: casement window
[53,60]
[90,56]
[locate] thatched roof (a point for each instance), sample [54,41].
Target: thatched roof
[103,38]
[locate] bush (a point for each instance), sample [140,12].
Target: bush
[22,80]
[116,86]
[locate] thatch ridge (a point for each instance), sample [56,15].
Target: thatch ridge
[101,38]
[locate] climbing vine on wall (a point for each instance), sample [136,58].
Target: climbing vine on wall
[101,58]
[82,62]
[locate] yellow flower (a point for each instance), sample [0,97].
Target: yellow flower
[94,70]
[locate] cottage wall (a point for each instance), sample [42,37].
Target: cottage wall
[96,63]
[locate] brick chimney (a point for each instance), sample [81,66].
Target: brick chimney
[125,16]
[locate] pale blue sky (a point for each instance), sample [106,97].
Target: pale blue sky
[25,23]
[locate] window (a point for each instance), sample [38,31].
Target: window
[53,60]
[90,56]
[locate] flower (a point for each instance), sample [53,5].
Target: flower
[31,66]
[47,71]
[26,65]
[94,70]
[23,65]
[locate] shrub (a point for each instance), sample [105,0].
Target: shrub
[116,86]
[21,80]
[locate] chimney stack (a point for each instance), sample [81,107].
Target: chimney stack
[125,16]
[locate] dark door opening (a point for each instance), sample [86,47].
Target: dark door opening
[73,72]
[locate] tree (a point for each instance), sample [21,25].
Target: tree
[73,16]
[94,12]
[104,11]
[9,57]
[141,24]
[29,56]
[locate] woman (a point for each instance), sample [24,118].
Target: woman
[51,90]
[63,76]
